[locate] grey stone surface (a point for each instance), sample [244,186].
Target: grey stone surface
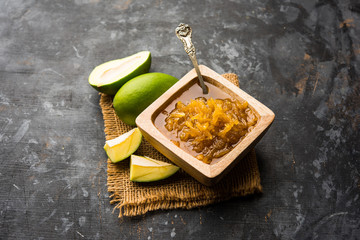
[300,58]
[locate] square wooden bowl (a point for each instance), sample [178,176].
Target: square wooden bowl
[207,174]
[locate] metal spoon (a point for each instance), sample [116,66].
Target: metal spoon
[183,32]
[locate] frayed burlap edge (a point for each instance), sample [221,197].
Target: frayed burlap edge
[180,190]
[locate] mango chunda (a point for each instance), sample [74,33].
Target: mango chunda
[212,126]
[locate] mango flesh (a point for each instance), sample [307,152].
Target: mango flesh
[144,169]
[110,76]
[123,146]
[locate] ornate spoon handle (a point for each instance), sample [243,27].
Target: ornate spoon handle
[183,32]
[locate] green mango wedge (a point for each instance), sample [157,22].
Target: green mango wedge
[145,169]
[123,146]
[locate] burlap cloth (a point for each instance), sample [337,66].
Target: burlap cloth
[178,191]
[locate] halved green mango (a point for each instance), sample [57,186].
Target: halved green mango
[110,76]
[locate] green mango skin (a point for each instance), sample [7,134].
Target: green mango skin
[138,93]
[113,88]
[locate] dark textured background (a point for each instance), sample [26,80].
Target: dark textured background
[300,58]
